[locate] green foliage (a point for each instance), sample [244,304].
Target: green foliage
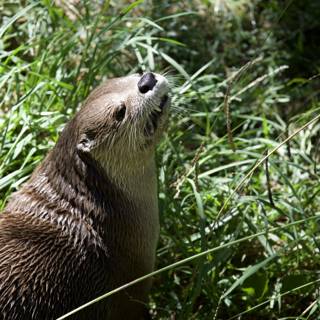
[246,81]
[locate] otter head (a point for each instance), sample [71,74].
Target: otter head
[124,118]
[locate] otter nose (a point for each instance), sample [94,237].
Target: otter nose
[147,82]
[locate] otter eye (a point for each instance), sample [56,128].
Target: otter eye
[121,112]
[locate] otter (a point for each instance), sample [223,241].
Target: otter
[87,221]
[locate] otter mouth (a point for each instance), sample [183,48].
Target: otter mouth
[155,115]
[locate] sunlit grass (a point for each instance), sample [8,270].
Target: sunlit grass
[238,168]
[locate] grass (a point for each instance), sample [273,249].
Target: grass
[238,168]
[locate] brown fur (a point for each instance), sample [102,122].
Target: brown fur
[87,220]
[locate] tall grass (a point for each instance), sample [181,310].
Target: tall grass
[238,168]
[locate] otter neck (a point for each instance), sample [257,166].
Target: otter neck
[132,174]
[92,184]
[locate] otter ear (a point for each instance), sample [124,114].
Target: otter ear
[85,143]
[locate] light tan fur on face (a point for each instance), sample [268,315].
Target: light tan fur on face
[121,148]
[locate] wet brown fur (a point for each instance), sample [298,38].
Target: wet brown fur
[72,233]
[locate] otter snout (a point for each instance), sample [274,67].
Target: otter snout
[147,82]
